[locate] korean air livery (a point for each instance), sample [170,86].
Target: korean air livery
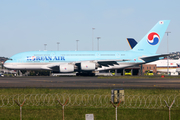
[85,62]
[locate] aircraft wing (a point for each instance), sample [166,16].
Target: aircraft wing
[153,58]
[99,62]
[46,68]
[109,62]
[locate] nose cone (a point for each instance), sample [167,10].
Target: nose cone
[7,64]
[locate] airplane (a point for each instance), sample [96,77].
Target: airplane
[161,65]
[86,62]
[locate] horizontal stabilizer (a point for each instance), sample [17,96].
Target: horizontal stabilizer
[153,58]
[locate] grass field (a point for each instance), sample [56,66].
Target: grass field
[88,91]
[78,113]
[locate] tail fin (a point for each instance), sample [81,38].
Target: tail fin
[132,42]
[151,41]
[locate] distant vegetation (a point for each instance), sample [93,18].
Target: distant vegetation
[3,59]
[36,72]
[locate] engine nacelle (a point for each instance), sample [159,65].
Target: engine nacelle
[88,66]
[66,68]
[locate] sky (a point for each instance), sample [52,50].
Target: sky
[26,25]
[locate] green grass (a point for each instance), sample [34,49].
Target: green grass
[78,113]
[87,91]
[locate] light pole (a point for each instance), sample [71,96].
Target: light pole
[45,47]
[168,53]
[93,38]
[98,43]
[58,46]
[77,44]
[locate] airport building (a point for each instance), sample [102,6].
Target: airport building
[149,67]
[163,66]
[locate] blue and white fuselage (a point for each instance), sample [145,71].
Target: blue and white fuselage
[70,61]
[42,59]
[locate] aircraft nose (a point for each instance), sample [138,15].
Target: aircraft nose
[5,65]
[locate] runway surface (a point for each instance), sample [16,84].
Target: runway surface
[86,82]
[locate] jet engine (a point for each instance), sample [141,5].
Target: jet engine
[88,66]
[66,68]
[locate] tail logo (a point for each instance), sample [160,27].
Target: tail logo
[153,38]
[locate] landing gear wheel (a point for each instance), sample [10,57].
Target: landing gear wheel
[92,74]
[77,74]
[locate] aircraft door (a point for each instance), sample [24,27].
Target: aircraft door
[117,55]
[97,55]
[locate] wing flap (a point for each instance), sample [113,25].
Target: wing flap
[108,63]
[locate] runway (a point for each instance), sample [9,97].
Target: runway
[87,82]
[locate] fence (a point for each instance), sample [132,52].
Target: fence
[90,100]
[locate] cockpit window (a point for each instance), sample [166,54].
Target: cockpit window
[10,59]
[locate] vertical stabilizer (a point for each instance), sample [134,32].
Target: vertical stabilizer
[132,42]
[151,41]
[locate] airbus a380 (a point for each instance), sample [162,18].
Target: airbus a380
[85,62]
